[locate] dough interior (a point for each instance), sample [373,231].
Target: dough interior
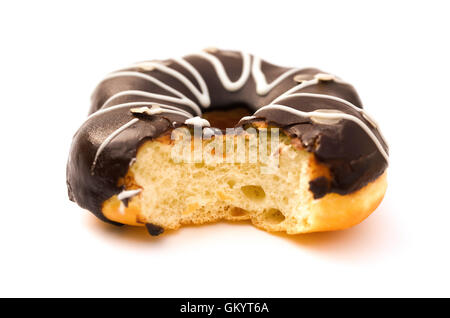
[274,197]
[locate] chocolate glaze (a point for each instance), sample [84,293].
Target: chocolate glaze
[319,187]
[352,156]
[153,229]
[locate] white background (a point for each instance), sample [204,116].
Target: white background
[54,53]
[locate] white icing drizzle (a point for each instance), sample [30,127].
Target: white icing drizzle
[295,89]
[125,194]
[324,96]
[208,132]
[341,100]
[221,73]
[262,87]
[111,137]
[127,105]
[167,107]
[182,99]
[148,111]
[326,121]
[158,96]
[249,67]
[248,117]
[155,110]
[306,83]
[197,121]
[300,78]
[325,77]
[334,115]
[202,96]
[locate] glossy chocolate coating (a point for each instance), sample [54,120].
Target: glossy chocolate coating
[352,156]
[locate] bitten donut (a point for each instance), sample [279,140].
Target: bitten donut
[155,151]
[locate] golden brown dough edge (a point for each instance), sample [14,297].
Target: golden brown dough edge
[338,212]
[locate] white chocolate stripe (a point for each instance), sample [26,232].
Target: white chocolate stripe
[362,111]
[125,105]
[302,85]
[109,138]
[331,116]
[170,111]
[202,96]
[298,87]
[247,118]
[183,101]
[200,81]
[325,96]
[221,73]
[249,67]
[262,87]
[126,194]
[197,121]
[186,101]
[148,78]
[182,111]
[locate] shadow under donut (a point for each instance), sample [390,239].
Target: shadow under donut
[374,238]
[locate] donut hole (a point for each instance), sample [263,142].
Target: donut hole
[254,192]
[223,119]
[273,216]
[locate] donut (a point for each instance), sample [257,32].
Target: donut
[225,135]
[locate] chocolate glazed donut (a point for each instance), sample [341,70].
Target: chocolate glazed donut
[323,112]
